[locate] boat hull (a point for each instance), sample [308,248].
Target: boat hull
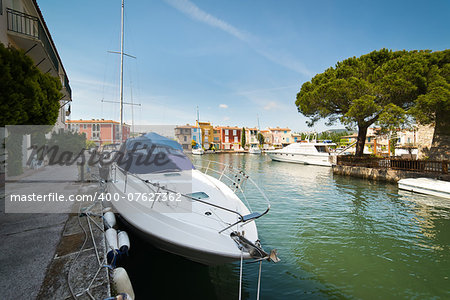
[254,151]
[192,235]
[202,257]
[306,159]
[426,186]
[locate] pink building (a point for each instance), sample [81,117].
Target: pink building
[100,131]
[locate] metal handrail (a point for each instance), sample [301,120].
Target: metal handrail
[242,218]
[172,191]
[237,171]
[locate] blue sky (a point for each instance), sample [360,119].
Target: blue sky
[234,59]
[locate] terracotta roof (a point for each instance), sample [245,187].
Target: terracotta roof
[229,127]
[94,121]
[279,129]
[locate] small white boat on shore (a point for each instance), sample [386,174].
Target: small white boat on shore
[426,186]
[198,151]
[309,153]
[254,150]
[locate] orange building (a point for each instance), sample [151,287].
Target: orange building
[100,131]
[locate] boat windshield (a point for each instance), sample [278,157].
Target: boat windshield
[322,149]
[143,156]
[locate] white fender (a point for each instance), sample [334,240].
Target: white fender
[123,296]
[111,239]
[124,241]
[109,219]
[122,282]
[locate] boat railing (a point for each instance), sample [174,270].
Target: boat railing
[224,176]
[236,179]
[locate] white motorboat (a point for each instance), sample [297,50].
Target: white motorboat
[426,186]
[309,153]
[254,150]
[182,210]
[198,151]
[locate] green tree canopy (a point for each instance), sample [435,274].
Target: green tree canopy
[261,138]
[243,138]
[382,88]
[27,96]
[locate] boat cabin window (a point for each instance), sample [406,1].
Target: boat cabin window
[199,195]
[145,158]
[322,149]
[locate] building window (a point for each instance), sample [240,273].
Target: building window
[84,126]
[226,131]
[287,140]
[195,138]
[185,138]
[234,131]
[285,131]
[236,139]
[227,140]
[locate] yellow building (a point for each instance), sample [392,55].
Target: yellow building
[207,133]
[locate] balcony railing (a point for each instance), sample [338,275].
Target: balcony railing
[428,166]
[67,86]
[31,26]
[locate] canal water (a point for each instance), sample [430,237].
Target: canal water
[337,237]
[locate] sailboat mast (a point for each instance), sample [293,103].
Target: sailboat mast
[257,118]
[198,126]
[121,74]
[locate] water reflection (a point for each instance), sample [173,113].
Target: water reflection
[338,237]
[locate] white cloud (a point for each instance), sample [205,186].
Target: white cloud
[223,106]
[283,59]
[194,12]
[245,92]
[226,118]
[271,105]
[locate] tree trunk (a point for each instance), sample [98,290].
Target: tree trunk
[440,147]
[360,142]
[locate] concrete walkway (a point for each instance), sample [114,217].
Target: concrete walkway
[31,241]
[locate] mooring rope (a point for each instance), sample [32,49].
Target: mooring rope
[259,281]
[240,275]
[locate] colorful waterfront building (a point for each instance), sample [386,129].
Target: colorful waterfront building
[217,140]
[251,136]
[183,135]
[296,137]
[207,134]
[197,136]
[267,134]
[281,136]
[230,138]
[100,131]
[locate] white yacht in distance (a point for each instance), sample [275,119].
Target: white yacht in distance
[308,153]
[254,150]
